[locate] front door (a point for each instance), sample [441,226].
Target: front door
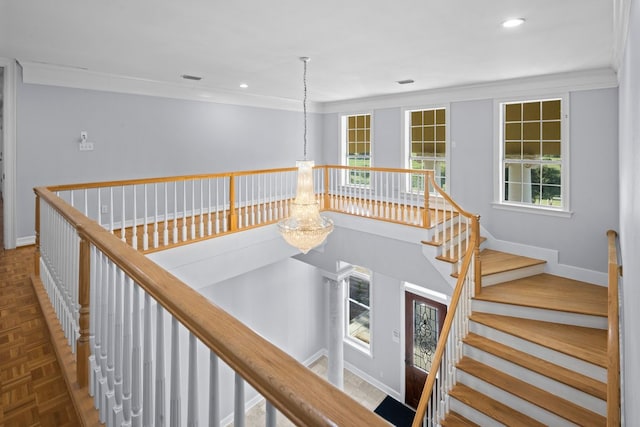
[423,321]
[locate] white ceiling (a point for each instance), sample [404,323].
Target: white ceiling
[358,48]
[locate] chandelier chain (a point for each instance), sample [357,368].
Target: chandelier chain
[304,105]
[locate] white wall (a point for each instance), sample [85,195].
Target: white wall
[630,214]
[142,136]
[594,196]
[284,302]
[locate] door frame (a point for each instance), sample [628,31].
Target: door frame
[9,155]
[437,299]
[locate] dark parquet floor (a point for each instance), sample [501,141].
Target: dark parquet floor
[32,389]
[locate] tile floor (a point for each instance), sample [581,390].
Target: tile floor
[360,390]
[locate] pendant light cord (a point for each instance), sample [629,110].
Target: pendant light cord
[304,103]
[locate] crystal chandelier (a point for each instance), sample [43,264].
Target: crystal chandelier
[305,228]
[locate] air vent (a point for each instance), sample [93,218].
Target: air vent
[405,82]
[190,77]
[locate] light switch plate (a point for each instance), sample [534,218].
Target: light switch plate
[86,146]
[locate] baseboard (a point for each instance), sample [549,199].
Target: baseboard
[26,241]
[374,382]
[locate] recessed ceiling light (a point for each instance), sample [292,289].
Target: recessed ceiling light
[513,22]
[244,85]
[405,82]
[190,77]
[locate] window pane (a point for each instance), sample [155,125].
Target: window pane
[416,133]
[360,122]
[531,131]
[352,122]
[551,131]
[425,335]
[429,149]
[513,112]
[551,150]
[359,323]
[440,133]
[429,118]
[416,118]
[512,131]
[429,133]
[440,149]
[440,117]
[512,150]
[352,148]
[359,290]
[416,149]
[531,111]
[351,135]
[531,150]
[551,110]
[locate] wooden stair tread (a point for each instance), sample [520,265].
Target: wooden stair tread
[454,419]
[588,344]
[559,373]
[492,408]
[550,292]
[494,262]
[550,402]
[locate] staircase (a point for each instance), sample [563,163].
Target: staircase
[536,351]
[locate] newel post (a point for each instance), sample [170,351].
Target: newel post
[233,219]
[84,283]
[477,262]
[36,256]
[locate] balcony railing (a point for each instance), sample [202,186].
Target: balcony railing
[114,304]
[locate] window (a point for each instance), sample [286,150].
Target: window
[427,145]
[531,149]
[359,307]
[357,147]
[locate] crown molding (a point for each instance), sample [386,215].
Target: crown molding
[526,86]
[79,78]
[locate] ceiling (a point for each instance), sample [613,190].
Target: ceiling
[358,48]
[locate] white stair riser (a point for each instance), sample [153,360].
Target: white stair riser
[542,352]
[542,314]
[506,276]
[512,401]
[552,386]
[472,414]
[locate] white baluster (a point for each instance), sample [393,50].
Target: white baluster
[160,413]
[209,223]
[217,208]
[271,418]
[92,320]
[214,397]
[126,352]
[193,209]
[224,203]
[95,323]
[136,360]
[104,328]
[145,227]
[175,212]
[165,231]
[123,228]
[147,367]
[117,415]
[201,210]
[253,201]
[184,210]
[111,209]
[111,310]
[86,203]
[174,396]
[246,201]
[155,216]
[238,406]
[134,231]
[192,396]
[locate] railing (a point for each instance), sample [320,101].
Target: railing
[157,213]
[434,401]
[613,335]
[117,304]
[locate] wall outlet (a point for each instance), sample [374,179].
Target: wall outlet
[104,209]
[86,146]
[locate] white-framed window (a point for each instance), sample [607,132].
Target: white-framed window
[534,153]
[356,147]
[426,145]
[358,309]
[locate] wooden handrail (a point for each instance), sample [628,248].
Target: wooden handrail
[277,376]
[446,328]
[613,335]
